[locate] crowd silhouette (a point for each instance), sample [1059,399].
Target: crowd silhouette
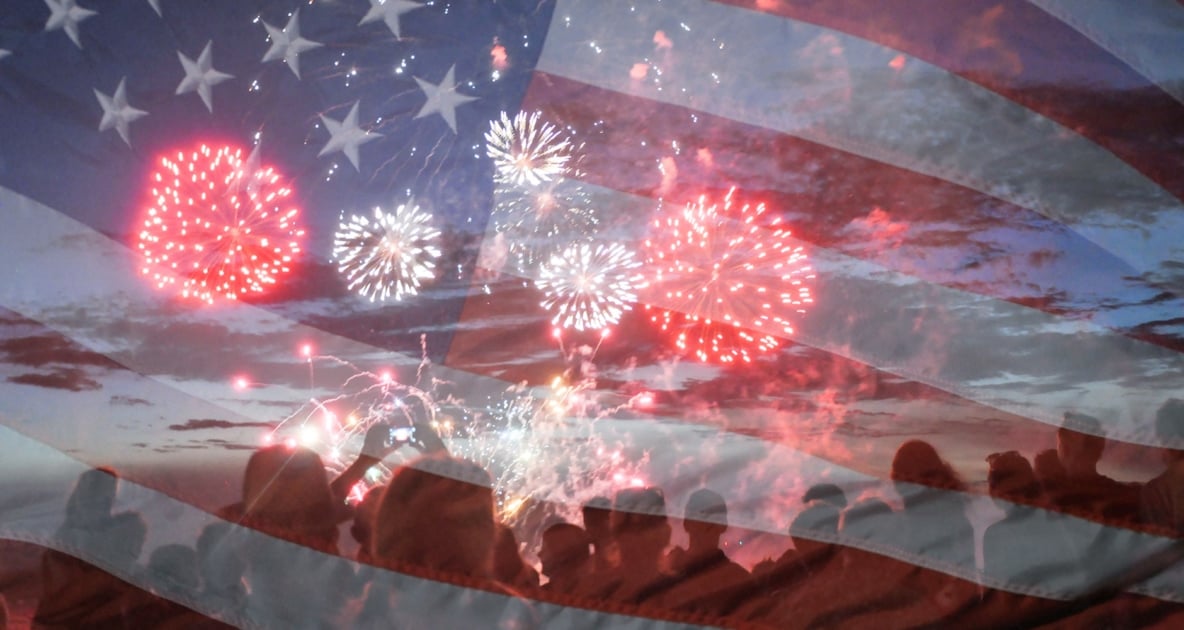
[903,558]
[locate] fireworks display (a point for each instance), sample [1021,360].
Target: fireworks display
[537,444]
[217,226]
[727,279]
[589,286]
[388,256]
[526,151]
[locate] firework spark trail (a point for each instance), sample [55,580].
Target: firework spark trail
[218,226]
[537,444]
[389,256]
[525,151]
[725,277]
[589,287]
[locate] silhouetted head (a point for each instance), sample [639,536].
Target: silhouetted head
[565,550]
[917,462]
[174,568]
[286,490]
[1080,443]
[813,527]
[827,492]
[866,519]
[706,518]
[219,562]
[640,526]
[597,513]
[1010,478]
[124,539]
[1169,428]
[93,497]
[437,513]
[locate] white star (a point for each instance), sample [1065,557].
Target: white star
[389,11]
[66,14]
[443,99]
[200,76]
[116,112]
[156,6]
[287,44]
[345,136]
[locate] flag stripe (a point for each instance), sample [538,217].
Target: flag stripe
[859,104]
[1043,61]
[1148,39]
[859,207]
[955,341]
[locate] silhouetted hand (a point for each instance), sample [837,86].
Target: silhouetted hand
[378,443]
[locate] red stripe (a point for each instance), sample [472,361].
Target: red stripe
[933,229]
[1019,51]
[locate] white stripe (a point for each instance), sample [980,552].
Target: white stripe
[1148,35]
[838,90]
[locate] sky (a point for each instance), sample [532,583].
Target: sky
[984,258]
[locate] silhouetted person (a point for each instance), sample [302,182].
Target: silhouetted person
[597,513]
[287,494]
[933,522]
[221,566]
[566,557]
[437,513]
[173,575]
[508,566]
[826,492]
[436,518]
[707,580]
[76,593]
[932,530]
[1028,547]
[1162,498]
[642,532]
[1083,490]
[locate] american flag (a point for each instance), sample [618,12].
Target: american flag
[989,194]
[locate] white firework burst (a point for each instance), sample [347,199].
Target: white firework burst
[526,151]
[390,255]
[588,286]
[536,220]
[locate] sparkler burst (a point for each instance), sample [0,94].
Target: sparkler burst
[727,278]
[217,226]
[526,151]
[589,287]
[389,256]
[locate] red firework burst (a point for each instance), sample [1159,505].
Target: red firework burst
[217,226]
[727,279]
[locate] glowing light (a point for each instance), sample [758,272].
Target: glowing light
[730,277]
[389,257]
[527,151]
[241,383]
[589,287]
[217,226]
[306,351]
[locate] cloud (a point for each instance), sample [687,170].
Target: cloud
[43,350]
[69,379]
[198,424]
[128,401]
